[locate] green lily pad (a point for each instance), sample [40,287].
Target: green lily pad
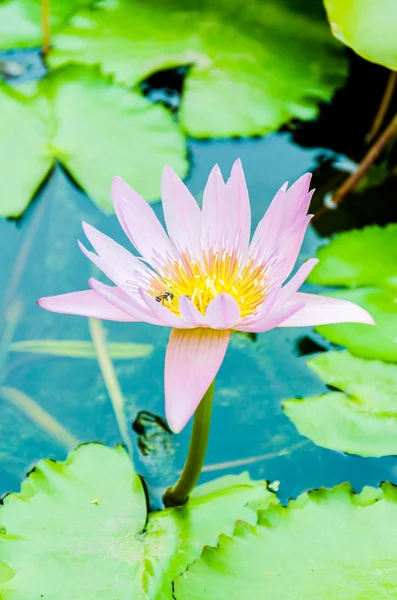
[368,258]
[79,529]
[94,128]
[362,418]
[326,544]
[366,26]
[371,384]
[370,342]
[359,257]
[272,61]
[20,20]
[25,159]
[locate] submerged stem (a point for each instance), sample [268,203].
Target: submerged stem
[110,379]
[45,26]
[383,107]
[350,183]
[179,493]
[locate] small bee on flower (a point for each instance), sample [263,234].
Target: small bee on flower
[166,297]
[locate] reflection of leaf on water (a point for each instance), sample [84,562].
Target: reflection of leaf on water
[38,415]
[104,516]
[252,67]
[371,283]
[359,419]
[326,544]
[156,446]
[82,349]
[110,378]
[93,127]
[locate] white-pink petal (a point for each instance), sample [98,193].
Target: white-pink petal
[192,361]
[163,314]
[119,299]
[296,281]
[86,303]
[269,227]
[289,244]
[271,320]
[299,189]
[139,221]
[237,216]
[112,253]
[115,271]
[222,312]
[323,310]
[181,213]
[213,209]
[189,313]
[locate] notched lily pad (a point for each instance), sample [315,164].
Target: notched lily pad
[271,61]
[80,529]
[362,417]
[326,544]
[95,128]
[360,260]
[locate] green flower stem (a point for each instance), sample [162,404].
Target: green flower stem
[179,493]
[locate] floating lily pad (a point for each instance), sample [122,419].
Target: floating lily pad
[359,257]
[25,159]
[363,419]
[366,26]
[271,60]
[326,544]
[370,342]
[94,128]
[20,20]
[365,257]
[79,529]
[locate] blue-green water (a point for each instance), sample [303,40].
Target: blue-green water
[40,257]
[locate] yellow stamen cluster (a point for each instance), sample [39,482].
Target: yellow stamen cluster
[202,281]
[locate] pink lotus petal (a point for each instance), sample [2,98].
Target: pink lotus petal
[222,312]
[214,209]
[115,271]
[262,311]
[86,304]
[290,243]
[287,209]
[139,221]
[111,252]
[181,213]
[189,313]
[296,281]
[322,310]
[301,207]
[238,209]
[271,320]
[161,313]
[269,227]
[108,270]
[120,300]
[192,361]
[299,189]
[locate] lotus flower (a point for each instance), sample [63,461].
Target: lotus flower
[205,278]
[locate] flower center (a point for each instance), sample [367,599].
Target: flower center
[202,281]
